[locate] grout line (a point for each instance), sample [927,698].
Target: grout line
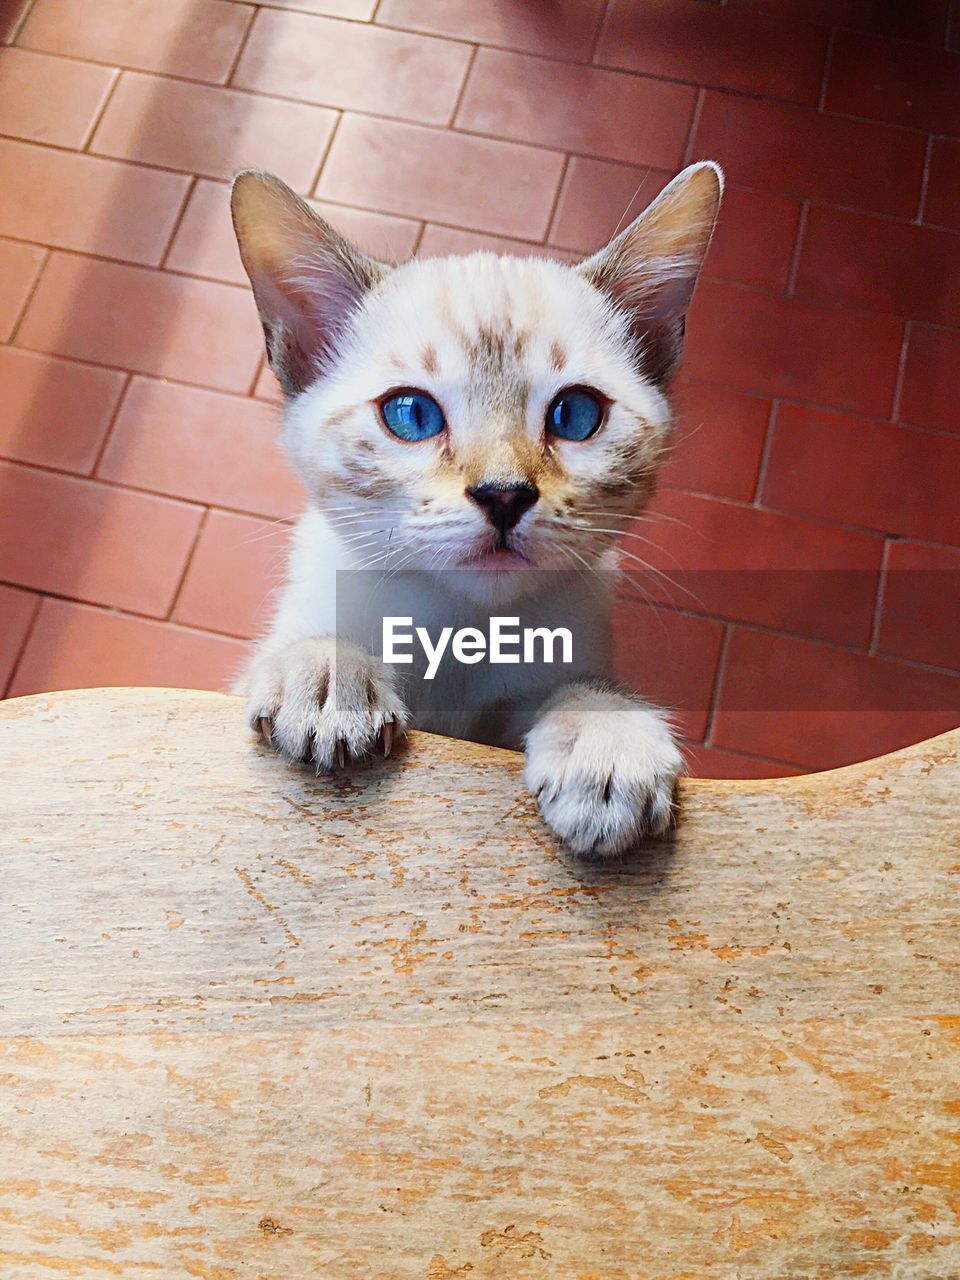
[84,149]
[555,206]
[251,391]
[241,47]
[462,91]
[691,146]
[925,180]
[318,171]
[901,373]
[21,22]
[765,451]
[175,598]
[874,640]
[794,269]
[92,473]
[21,651]
[177,224]
[34,285]
[598,32]
[717,687]
[827,67]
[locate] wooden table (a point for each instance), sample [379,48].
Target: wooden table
[257,1023]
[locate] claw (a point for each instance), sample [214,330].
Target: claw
[266,730]
[386,734]
[341,754]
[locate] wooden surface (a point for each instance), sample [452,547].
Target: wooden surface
[261,1024]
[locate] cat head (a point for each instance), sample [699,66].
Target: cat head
[478,412]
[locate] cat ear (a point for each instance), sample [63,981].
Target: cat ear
[307,278]
[650,269]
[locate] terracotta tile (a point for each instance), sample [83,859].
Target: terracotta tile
[85,203]
[712,762]
[749,565]
[91,541]
[55,413]
[812,156]
[197,39]
[920,613]
[353,65]
[202,446]
[576,108]
[443,242]
[755,235]
[942,205]
[267,387]
[206,246]
[895,81]
[875,264]
[780,347]
[923,20]
[827,466]
[212,131]
[16,611]
[147,321]
[819,707]
[668,657]
[717,441]
[562,29]
[931,382]
[708,44]
[359,10]
[460,179]
[51,100]
[237,569]
[76,647]
[19,267]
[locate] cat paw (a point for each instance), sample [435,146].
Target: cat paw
[324,701]
[603,769]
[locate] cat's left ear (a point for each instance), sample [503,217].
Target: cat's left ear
[307,278]
[650,269]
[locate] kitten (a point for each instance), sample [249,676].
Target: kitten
[490,415]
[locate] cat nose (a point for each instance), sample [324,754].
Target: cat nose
[504,505]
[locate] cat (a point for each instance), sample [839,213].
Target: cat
[474,419]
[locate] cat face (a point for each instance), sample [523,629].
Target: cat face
[482,412]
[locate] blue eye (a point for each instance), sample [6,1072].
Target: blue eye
[575,414]
[412,415]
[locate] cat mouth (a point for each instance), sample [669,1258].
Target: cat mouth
[499,559]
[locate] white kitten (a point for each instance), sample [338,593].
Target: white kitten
[486,415]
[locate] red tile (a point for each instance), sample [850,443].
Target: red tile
[76,647]
[708,44]
[891,80]
[444,242]
[202,446]
[460,180]
[931,381]
[16,609]
[19,267]
[55,413]
[353,65]
[745,564]
[923,20]
[670,658]
[827,466]
[235,573]
[88,204]
[51,100]
[91,541]
[148,321]
[576,108]
[712,762]
[812,156]
[755,235]
[717,441]
[267,387]
[873,264]
[818,706]
[206,246]
[920,613]
[561,29]
[212,131]
[780,347]
[197,39]
[942,204]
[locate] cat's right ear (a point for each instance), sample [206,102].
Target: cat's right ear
[307,278]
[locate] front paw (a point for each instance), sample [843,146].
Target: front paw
[325,701]
[603,768]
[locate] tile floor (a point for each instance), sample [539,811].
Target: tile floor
[144,508]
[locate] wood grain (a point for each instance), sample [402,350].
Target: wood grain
[258,1024]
